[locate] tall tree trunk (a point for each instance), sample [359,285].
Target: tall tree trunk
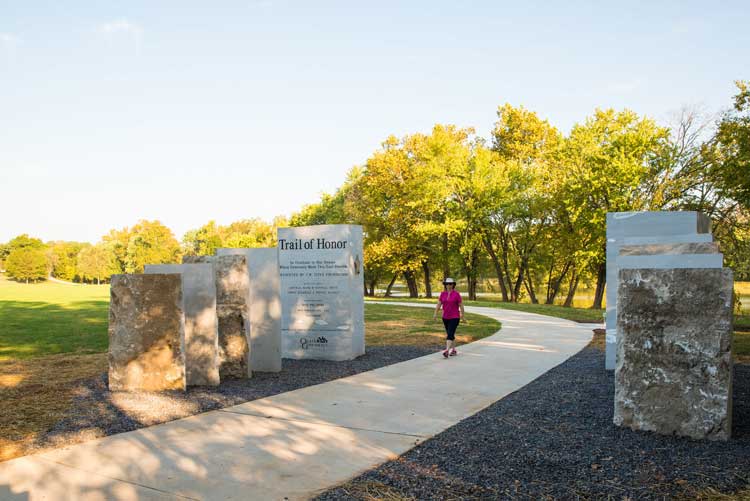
[601,280]
[390,285]
[411,283]
[446,263]
[427,278]
[519,282]
[553,287]
[471,275]
[373,284]
[530,289]
[571,289]
[498,268]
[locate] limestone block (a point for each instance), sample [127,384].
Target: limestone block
[146,333]
[201,322]
[232,310]
[646,228]
[265,306]
[674,361]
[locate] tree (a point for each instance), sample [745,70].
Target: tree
[96,263]
[151,242]
[611,162]
[730,148]
[27,263]
[23,242]
[516,207]
[62,257]
[202,242]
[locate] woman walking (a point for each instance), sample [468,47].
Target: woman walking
[453,312]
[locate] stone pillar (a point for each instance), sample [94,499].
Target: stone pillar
[201,322]
[674,352]
[232,310]
[644,228]
[146,333]
[265,306]
[322,292]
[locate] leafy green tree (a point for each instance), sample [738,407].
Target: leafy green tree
[611,162]
[116,242]
[204,241]
[24,242]
[62,257]
[151,242]
[27,264]
[96,263]
[730,148]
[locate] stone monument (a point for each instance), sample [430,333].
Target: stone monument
[232,310]
[146,333]
[322,292]
[674,358]
[649,228]
[201,322]
[265,306]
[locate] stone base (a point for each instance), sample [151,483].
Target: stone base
[673,374]
[146,333]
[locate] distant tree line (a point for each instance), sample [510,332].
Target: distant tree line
[524,215]
[28,259]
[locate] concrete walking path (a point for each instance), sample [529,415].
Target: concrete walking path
[297,444]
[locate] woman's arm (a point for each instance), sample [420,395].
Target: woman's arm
[437,309]
[461,307]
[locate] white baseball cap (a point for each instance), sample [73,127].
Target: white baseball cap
[448,281]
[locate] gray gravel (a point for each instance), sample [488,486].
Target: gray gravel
[554,439]
[98,412]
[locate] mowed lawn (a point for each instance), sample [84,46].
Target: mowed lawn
[48,318]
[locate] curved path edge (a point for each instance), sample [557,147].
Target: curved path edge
[297,444]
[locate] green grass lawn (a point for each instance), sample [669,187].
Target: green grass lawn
[48,318]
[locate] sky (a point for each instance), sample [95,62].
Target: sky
[186,111]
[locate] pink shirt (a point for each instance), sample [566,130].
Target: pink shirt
[450,300]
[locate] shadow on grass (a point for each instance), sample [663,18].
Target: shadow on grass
[33,328]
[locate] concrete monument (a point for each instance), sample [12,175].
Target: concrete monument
[265,306]
[201,322]
[146,333]
[649,228]
[232,309]
[674,359]
[322,292]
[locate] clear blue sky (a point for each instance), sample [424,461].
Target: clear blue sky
[111,112]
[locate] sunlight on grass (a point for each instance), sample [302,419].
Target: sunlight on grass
[47,318]
[404,325]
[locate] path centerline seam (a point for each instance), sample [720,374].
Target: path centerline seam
[332,425]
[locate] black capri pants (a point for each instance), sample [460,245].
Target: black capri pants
[450,327]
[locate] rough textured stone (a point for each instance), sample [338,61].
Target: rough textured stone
[670,248]
[265,306]
[674,359]
[647,228]
[232,309]
[146,333]
[201,322]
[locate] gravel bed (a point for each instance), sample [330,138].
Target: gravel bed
[554,439]
[98,412]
